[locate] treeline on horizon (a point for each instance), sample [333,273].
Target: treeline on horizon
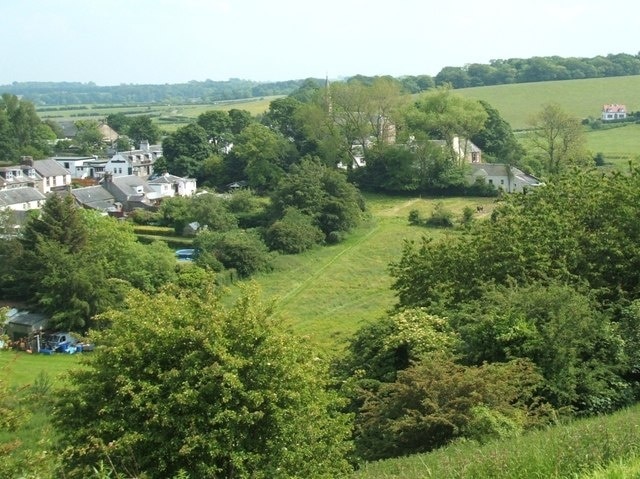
[496,72]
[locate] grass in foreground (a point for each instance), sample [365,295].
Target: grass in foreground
[606,444]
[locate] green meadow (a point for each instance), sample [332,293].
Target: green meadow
[582,98]
[326,294]
[619,145]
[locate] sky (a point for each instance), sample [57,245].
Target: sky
[175,41]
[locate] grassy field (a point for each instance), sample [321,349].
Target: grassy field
[21,369]
[582,98]
[326,294]
[594,448]
[618,145]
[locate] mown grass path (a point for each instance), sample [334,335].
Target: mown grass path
[328,293]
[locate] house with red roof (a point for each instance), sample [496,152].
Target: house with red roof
[613,112]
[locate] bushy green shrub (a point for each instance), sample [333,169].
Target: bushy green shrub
[294,233]
[441,217]
[414,218]
[436,401]
[467,216]
[185,386]
[335,237]
[242,250]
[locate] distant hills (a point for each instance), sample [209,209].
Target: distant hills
[496,72]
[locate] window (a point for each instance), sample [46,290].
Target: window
[502,182]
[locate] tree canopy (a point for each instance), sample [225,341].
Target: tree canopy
[22,133]
[184,385]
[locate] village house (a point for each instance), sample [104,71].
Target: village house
[53,176]
[18,176]
[503,177]
[97,198]
[170,185]
[134,162]
[79,167]
[116,195]
[21,199]
[614,112]
[130,191]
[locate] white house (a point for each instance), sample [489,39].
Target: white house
[170,185]
[54,176]
[78,166]
[24,198]
[118,165]
[18,176]
[507,178]
[134,162]
[614,112]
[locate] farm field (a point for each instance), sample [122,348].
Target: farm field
[618,145]
[169,117]
[582,98]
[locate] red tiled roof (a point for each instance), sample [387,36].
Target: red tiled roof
[614,108]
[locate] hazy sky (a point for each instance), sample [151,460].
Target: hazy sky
[174,41]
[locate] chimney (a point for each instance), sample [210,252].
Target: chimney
[144,145]
[27,160]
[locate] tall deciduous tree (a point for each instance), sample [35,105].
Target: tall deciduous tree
[183,384]
[558,138]
[21,130]
[88,137]
[240,119]
[322,193]
[266,154]
[141,128]
[496,139]
[217,124]
[186,149]
[444,115]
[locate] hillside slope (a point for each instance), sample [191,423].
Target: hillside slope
[582,98]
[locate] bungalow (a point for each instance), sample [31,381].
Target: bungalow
[614,112]
[504,177]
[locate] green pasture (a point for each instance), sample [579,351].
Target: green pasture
[582,98]
[328,293]
[21,369]
[619,145]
